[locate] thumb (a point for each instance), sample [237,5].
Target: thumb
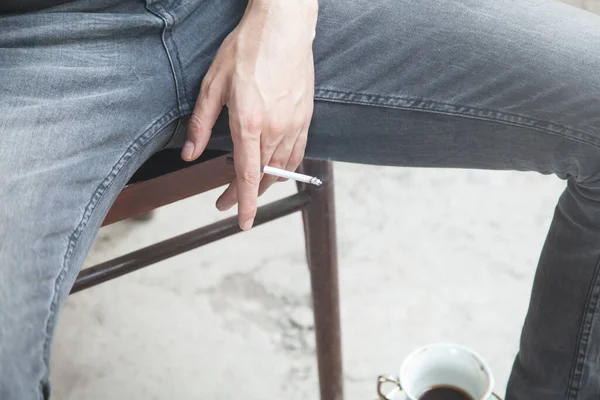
[205,114]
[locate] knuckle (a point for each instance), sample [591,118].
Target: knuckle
[267,148]
[250,177]
[277,162]
[277,126]
[300,145]
[268,144]
[299,122]
[197,124]
[206,88]
[296,159]
[254,123]
[250,136]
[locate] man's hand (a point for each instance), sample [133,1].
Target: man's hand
[264,73]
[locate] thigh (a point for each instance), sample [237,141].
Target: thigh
[487,84]
[86,94]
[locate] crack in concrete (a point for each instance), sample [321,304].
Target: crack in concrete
[286,317]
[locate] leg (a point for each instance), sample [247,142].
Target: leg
[79,112]
[321,250]
[496,84]
[484,85]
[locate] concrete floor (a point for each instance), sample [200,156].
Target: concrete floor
[425,256]
[451,258]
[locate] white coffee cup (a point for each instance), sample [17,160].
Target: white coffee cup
[442,365]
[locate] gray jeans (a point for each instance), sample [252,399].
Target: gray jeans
[90,89]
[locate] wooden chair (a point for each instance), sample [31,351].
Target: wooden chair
[165,179]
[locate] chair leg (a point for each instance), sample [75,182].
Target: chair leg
[321,250]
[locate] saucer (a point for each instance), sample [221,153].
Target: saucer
[397,395]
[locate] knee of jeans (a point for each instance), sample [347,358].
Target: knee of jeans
[589,183]
[576,161]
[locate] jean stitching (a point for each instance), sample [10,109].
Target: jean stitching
[583,338]
[144,138]
[438,107]
[170,47]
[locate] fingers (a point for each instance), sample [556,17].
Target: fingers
[292,150]
[246,152]
[268,147]
[283,158]
[228,198]
[288,155]
[277,158]
[297,154]
[204,116]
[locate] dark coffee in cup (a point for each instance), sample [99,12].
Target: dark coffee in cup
[445,393]
[442,371]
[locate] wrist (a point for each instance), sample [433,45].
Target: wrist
[307,8]
[310,4]
[294,17]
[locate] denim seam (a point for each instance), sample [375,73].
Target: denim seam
[438,107]
[143,139]
[173,55]
[583,338]
[172,137]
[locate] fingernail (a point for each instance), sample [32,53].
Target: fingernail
[247,224]
[188,150]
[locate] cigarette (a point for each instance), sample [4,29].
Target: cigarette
[282,173]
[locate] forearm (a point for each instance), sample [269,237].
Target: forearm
[311,6]
[286,14]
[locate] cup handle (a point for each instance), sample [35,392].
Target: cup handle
[386,379]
